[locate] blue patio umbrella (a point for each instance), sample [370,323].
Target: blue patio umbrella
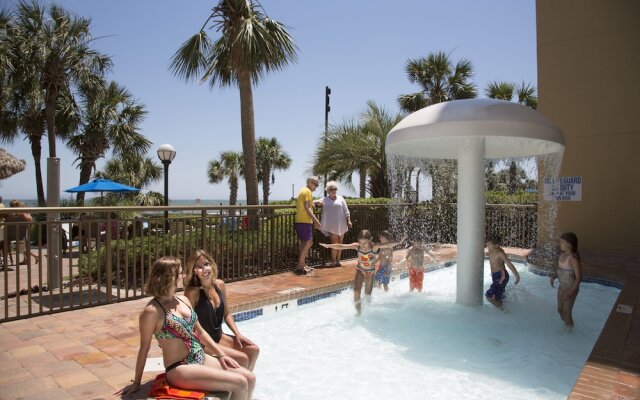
[102,185]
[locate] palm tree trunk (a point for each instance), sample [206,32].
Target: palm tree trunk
[363,181]
[233,192]
[248,139]
[85,174]
[36,152]
[266,186]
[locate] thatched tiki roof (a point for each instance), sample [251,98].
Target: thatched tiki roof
[9,165]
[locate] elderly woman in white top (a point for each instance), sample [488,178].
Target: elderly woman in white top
[336,219]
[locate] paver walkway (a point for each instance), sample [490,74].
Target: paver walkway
[90,353]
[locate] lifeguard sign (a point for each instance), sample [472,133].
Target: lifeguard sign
[563,188]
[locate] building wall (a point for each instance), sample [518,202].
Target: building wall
[589,85]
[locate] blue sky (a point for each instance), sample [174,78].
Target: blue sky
[358,48]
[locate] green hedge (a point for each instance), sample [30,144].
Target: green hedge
[520,197]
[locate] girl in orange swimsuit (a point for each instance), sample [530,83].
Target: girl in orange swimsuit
[366,266]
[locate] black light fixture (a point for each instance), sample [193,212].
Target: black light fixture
[166,154]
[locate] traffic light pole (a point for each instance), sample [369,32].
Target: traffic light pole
[327,108]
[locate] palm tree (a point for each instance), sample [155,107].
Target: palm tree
[229,166]
[439,81]
[135,171]
[270,158]
[347,150]
[358,146]
[22,98]
[109,119]
[378,122]
[56,43]
[525,93]
[250,44]
[500,90]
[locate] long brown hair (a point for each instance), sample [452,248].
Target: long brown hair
[190,278]
[572,239]
[164,271]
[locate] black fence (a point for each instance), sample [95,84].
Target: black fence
[106,252]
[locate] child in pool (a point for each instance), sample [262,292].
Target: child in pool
[568,272]
[415,263]
[367,265]
[499,275]
[383,275]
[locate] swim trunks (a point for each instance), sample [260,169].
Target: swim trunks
[500,280]
[416,278]
[384,274]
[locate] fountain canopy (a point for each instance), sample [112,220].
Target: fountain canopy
[509,130]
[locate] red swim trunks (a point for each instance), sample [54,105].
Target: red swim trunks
[416,277]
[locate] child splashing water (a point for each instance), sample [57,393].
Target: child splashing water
[569,275]
[415,263]
[367,265]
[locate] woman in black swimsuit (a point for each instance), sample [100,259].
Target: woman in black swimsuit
[209,294]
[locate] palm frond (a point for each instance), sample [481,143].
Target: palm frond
[190,60]
[439,81]
[500,90]
[526,94]
[249,41]
[412,102]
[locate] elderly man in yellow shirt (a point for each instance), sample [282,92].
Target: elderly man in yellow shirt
[305,221]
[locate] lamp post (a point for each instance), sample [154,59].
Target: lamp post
[166,154]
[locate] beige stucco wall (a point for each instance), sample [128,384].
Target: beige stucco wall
[589,84]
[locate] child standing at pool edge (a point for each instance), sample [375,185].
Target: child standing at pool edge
[499,275]
[568,272]
[367,265]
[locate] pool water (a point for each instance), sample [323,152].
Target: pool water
[424,346]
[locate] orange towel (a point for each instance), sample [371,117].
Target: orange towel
[161,390]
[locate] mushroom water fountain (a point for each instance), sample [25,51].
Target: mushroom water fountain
[472,131]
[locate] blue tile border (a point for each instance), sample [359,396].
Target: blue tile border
[247,315]
[310,299]
[251,314]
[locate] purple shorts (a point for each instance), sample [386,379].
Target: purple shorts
[304,231]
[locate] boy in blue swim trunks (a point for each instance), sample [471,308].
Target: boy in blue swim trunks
[385,255]
[499,275]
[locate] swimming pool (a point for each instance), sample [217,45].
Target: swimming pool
[424,346]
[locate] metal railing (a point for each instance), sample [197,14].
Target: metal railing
[107,251]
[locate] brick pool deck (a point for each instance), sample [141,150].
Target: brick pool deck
[90,353]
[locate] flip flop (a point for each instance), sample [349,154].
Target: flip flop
[300,271]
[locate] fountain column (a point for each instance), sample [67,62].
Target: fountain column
[471,221]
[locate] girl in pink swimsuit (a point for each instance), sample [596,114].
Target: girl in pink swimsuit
[568,272]
[366,266]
